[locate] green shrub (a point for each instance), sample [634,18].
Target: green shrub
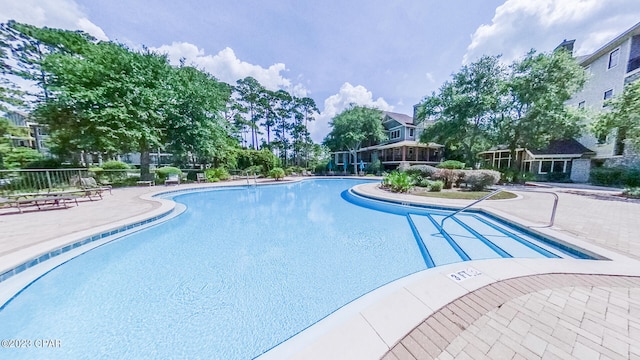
[277,173]
[398,181]
[512,176]
[294,170]
[631,178]
[321,167]
[374,167]
[606,176]
[264,158]
[479,180]
[113,172]
[114,165]
[419,180]
[422,170]
[436,186]
[255,169]
[165,171]
[615,176]
[49,163]
[451,164]
[559,177]
[216,174]
[191,175]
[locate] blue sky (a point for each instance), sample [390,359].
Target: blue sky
[388,54]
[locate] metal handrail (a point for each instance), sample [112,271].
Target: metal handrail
[553,211]
[470,205]
[555,205]
[255,178]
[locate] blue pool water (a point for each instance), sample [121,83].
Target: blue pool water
[240,271]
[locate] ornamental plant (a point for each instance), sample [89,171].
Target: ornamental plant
[479,180]
[216,174]
[398,181]
[165,171]
[277,173]
[451,164]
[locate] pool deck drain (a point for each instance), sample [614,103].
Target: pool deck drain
[509,312]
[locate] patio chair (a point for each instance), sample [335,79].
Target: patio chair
[200,177]
[172,179]
[91,187]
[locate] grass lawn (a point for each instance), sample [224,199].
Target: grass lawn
[464,195]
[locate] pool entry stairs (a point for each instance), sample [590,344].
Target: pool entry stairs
[472,237]
[445,236]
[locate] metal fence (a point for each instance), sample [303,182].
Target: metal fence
[38,180]
[47,180]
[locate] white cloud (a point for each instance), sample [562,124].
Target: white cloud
[519,25]
[429,77]
[62,14]
[226,66]
[336,103]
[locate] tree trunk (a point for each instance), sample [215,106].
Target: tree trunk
[515,164]
[145,162]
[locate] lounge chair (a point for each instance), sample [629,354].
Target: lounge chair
[38,201]
[90,187]
[172,179]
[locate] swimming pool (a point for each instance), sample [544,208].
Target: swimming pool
[240,271]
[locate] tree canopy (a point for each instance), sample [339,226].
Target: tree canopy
[521,105]
[353,127]
[465,109]
[623,116]
[104,98]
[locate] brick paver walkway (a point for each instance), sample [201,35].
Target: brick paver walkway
[555,316]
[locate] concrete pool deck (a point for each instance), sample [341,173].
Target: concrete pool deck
[507,308]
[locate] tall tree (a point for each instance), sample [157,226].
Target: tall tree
[533,107]
[194,120]
[29,45]
[464,108]
[623,116]
[109,100]
[267,109]
[284,109]
[302,143]
[10,94]
[353,127]
[249,93]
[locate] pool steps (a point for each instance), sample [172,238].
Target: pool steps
[466,236]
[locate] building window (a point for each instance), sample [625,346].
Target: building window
[607,95]
[545,167]
[634,54]
[394,134]
[410,132]
[614,56]
[581,105]
[558,166]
